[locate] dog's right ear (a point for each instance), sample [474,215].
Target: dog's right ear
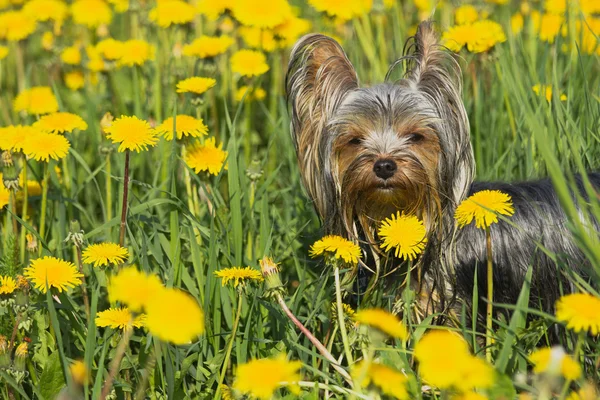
[318,79]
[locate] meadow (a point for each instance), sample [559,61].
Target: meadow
[156,238]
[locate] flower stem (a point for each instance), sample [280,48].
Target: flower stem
[576,356]
[86,301]
[490,296]
[125,193]
[109,206]
[340,313]
[236,322]
[24,210]
[44,205]
[116,362]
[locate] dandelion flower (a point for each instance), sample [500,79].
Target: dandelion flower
[172,12]
[3,52]
[37,100]
[404,232]
[337,247]
[291,29]
[261,14]
[342,9]
[555,361]
[12,137]
[173,315]
[61,122]
[102,254]
[196,85]
[110,49]
[212,9]
[389,381]
[45,10]
[71,55]
[47,41]
[74,80]
[260,378]
[135,52]
[79,372]
[238,275]
[118,318]
[479,37]
[581,312]
[484,207]
[207,157]
[16,25]
[44,146]
[382,320]
[258,38]
[4,196]
[249,63]
[550,26]
[7,284]
[208,46]
[57,273]
[91,13]
[185,126]
[131,133]
[250,93]
[516,23]
[133,288]
[546,90]
[465,14]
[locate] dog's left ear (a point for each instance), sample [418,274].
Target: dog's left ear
[319,78]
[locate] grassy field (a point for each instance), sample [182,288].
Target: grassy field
[186,221]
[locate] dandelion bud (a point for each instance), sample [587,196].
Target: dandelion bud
[10,176]
[254,171]
[4,353]
[32,244]
[21,356]
[75,234]
[270,271]
[7,158]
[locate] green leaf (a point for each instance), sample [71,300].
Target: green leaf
[52,379]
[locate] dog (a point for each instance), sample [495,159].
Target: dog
[367,152]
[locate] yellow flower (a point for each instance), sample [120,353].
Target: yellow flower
[404,232]
[74,80]
[37,100]
[547,92]
[173,315]
[348,311]
[172,12]
[47,40]
[71,55]
[239,275]
[91,13]
[581,312]
[16,25]
[185,126]
[102,254]
[3,52]
[262,14]
[465,14]
[43,146]
[207,157]
[250,93]
[516,23]
[79,372]
[382,320]
[213,8]
[260,378]
[7,283]
[4,195]
[131,133]
[208,46]
[44,10]
[196,84]
[135,52]
[133,288]
[587,392]
[120,5]
[342,9]
[118,318]
[484,207]
[338,247]
[12,138]
[110,49]
[471,396]
[479,37]
[391,382]
[249,63]
[549,28]
[61,122]
[555,361]
[258,38]
[291,29]
[57,273]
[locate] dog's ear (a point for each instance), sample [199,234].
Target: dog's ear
[434,72]
[318,79]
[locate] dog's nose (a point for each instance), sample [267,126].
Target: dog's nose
[385,168]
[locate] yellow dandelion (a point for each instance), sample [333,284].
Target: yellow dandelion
[475,373]
[207,46]
[342,9]
[389,381]
[517,22]
[57,273]
[581,312]
[43,146]
[135,52]
[172,12]
[484,207]
[206,157]
[47,41]
[110,49]
[337,247]
[131,133]
[258,38]
[91,13]
[465,14]
[79,372]
[3,52]
[382,320]
[118,318]
[249,63]
[61,122]
[44,10]
[103,254]
[347,311]
[37,100]
[133,288]
[7,284]
[237,275]
[554,361]
[16,25]
[185,126]
[71,55]
[212,9]
[291,29]
[260,378]
[12,138]
[74,80]
[479,36]
[472,396]
[250,94]
[262,14]
[550,26]
[546,91]
[196,85]
[4,195]
[226,393]
[405,233]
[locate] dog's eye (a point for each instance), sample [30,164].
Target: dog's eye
[415,137]
[355,141]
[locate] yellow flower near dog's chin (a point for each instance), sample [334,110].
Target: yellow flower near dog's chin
[484,207]
[337,247]
[581,312]
[260,378]
[406,233]
[554,361]
[383,321]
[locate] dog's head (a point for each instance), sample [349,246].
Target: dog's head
[366,152]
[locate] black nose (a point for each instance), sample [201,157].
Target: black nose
[385,168]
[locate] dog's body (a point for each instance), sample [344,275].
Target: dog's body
[366,153]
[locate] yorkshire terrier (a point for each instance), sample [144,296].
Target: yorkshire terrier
[367,152]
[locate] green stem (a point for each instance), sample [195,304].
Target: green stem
[340,313]
[44,206]
[109,207]
[236,322]
[490,297]
[577,356]
[125,193]
[24,210]
[116,362]
[137,101]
